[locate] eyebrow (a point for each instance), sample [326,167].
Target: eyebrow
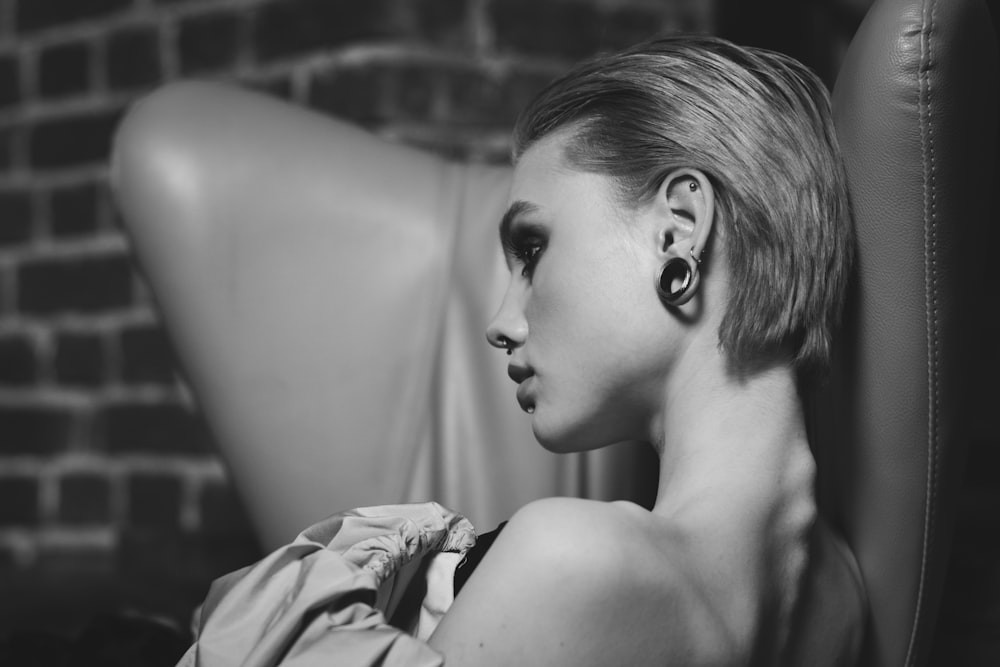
[514,211]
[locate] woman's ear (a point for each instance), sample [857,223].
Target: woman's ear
[690,201]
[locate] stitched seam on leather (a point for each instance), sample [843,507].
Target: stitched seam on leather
[930,275]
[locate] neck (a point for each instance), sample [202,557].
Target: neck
[729,442]
[736,476]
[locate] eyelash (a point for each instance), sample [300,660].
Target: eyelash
[528,254]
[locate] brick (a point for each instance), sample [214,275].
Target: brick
[87,284]
[79,359]
[64,70]
[18,361]
[36,14]
[441,21]
[7,140]
[146,355]
[208,41]
[71,141]
[15,216]
[88,561]
[189,561]
[153,428]
[222,513]
[18,501]
[476,98]
[84,499]
[74,210]
[796,29]
[10,81]
[34,430]
[519,89]
[630,25]
[6,296]
[294,27]
[353,93]
[154,500]
[414,91]
[134,58]
[560,29]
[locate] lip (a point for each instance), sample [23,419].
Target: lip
[518,372]
[521,374]
[525,398]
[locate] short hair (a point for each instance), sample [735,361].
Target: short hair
[758,124]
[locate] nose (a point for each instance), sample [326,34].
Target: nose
[508,328]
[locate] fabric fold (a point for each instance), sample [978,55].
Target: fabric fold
[321,600]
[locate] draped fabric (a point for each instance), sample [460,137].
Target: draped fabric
[325,598]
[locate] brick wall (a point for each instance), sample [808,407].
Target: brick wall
[110,494]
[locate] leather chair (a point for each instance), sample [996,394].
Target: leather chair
[915,109]
[327,293]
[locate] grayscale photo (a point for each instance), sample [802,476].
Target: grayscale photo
[499,333]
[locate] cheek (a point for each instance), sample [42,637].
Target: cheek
[585,308]
[563,313]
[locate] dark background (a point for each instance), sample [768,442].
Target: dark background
[111,495]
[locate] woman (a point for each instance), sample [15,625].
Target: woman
[679,242]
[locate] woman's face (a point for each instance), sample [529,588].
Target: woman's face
[591,341]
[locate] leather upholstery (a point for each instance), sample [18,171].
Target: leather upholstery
[915,108]
[327,293]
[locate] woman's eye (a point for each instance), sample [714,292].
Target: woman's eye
[523,244]
[528,255]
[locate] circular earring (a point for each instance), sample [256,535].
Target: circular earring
[676,281]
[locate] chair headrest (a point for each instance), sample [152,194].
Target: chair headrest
[915,108]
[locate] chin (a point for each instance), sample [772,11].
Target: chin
[547,437]
[554,445]
[564,438]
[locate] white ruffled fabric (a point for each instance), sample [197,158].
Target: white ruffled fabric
[324,598]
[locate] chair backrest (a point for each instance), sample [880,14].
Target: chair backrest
[915,108]
[327,293]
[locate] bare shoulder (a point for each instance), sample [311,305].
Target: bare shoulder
[574,582]
[585,530]
[599,546]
